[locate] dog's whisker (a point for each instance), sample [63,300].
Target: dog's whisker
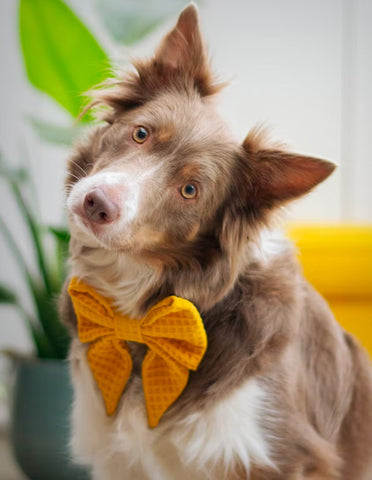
[74,162]
[75,176]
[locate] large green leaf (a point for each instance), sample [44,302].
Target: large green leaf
[62,57]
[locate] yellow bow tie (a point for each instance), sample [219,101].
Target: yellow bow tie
[172,330]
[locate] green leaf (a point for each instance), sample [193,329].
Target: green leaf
[50,337]
[15,177]
[17,254]
[42,343]
[36,231]
[62,57]
[62,237]
[7,295]
[48,317]
[60,135]
[61,233]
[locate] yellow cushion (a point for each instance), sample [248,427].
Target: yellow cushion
[337,260]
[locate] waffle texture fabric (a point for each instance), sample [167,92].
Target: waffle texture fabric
[172,330]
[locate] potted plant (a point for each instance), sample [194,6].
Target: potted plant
[41,395]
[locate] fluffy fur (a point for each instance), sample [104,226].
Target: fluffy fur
[283,393]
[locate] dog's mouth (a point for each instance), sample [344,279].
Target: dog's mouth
[83,231]
[93,224]
[110,236]
[88,227]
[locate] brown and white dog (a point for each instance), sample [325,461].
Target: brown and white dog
[163,200]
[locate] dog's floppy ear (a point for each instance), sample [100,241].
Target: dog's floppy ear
[277,176]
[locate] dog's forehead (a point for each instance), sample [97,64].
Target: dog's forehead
[185,132]
[184,116]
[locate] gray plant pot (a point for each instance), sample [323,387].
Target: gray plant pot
[40,410]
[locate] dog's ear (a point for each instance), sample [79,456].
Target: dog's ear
[182,48]
[182,54]
[277,176]
[180,62]
[265,178]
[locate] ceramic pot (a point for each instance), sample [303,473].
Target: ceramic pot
[40,409]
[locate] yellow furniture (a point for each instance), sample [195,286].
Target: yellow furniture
[337,260]
[172,330]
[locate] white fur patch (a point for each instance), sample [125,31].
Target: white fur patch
[126,190]
[114,275]
[228,432]
[123,446]
[269,244]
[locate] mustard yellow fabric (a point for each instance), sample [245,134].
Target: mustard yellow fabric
[172,330]
[337,260]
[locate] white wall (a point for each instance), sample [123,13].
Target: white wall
[360,147]
[302,67]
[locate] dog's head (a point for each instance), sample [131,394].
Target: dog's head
[164,178]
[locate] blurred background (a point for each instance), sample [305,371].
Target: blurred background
[303,68]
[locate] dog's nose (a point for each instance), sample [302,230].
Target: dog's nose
[99,208]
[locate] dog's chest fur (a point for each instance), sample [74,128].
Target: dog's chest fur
[202,444]
[248,405]
[201,440]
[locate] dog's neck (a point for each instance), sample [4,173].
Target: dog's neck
[114,275]
[134,285]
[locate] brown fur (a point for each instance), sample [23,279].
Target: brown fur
[262,319]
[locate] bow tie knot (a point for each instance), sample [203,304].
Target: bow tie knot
[129,329]
[172,330]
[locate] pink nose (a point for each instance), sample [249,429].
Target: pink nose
[99,208]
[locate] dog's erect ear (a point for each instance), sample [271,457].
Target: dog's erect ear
[182,48]
[180,62]
[182,55]
[277,176]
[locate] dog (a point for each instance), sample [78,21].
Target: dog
[163,203]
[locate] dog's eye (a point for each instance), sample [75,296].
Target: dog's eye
[140,134]
[188,191]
